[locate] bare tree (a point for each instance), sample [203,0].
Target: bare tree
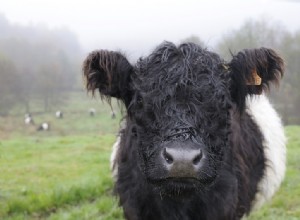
[8,83]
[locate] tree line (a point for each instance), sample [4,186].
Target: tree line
[36,63]
[265,33]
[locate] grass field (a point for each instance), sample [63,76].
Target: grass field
[64,173]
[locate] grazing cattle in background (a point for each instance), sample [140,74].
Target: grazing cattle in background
[28,119]
[200,138]
[45,126]
[59,114]
[92,112]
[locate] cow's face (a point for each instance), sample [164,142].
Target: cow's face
[178,101]
[179,110]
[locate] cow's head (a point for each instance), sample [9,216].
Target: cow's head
[178,101]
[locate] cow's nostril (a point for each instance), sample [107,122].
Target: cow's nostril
[168,157]
[197,158]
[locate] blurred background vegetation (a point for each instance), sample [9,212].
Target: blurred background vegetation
[36,64]
[44,65]
[265,33]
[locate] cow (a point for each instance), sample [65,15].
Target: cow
[200,139]
[45,126]
[28,119]
[92,112]
[59,114]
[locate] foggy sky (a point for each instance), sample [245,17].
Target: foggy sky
[136,26]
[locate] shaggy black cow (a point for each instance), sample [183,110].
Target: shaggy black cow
[200,139]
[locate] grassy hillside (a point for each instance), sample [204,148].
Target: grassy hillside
[64,173]
[46,177]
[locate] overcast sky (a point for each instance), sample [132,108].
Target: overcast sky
[136,26]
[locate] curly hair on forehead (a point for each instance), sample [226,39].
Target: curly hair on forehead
[169,65]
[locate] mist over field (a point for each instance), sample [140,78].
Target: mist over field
[40,64]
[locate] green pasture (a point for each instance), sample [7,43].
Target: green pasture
[65,174]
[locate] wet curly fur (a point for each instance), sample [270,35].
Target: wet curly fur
[186,94]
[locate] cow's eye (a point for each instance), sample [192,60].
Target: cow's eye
[139,101]
[134,132]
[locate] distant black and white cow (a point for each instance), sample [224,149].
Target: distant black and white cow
[45,126]
[200,138]
[28,119]
[59,114]
[92,112]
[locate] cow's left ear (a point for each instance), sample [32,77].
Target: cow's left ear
[109,72]
[253,71]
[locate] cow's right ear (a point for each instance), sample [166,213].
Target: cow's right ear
[109,73]
[253,71]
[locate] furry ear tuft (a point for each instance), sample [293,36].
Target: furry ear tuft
[107,71]
[253,71]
